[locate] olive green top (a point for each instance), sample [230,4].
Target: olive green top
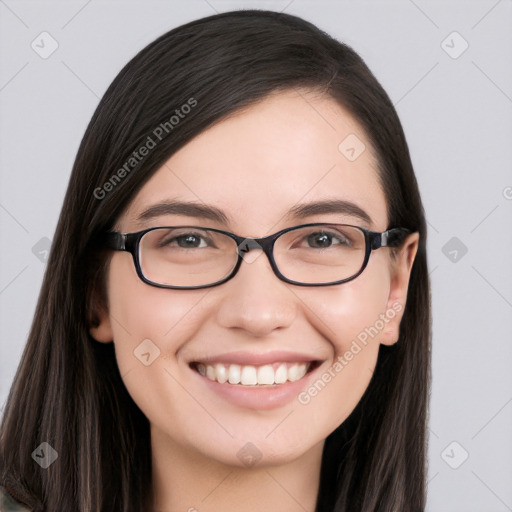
[9,504]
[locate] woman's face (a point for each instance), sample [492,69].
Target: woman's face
[285,152]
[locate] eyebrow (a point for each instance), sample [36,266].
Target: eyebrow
[301,211]
[188,209]
[339,206]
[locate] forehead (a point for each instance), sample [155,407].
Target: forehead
[291,148]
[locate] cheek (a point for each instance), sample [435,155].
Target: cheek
[146,319]
[149,326]
[344,312]
[349,316]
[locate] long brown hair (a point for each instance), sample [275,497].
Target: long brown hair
[67,390]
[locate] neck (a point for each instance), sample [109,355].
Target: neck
[185,480]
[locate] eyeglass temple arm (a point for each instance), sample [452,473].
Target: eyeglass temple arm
[390,238]
[115,241]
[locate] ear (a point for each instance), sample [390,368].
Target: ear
[100,327]
[400,267]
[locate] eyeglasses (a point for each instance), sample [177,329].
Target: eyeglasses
[191,257]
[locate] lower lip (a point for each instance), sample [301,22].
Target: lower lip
[258,397]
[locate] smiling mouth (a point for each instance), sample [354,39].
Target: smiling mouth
[274,374]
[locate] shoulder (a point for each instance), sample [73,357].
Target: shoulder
[9,504]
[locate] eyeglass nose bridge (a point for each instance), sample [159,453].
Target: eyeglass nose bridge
[248,244]
[265,243]
[245,245]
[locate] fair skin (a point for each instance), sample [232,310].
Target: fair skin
[254,166]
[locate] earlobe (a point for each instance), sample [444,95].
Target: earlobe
[401,267]
[100,327]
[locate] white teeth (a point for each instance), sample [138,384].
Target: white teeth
[210,372]
[281,375]
[221,373]
[293,372]
[248,375]
[234,374]
[265,374]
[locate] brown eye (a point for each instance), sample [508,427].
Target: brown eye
[322,240]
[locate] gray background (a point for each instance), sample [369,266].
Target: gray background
[456,110]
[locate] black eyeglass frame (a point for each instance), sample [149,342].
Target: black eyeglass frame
[130,242]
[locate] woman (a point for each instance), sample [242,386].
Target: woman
[235,313]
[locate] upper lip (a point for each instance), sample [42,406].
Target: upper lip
[251,358]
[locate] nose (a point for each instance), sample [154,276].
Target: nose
[255,299]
